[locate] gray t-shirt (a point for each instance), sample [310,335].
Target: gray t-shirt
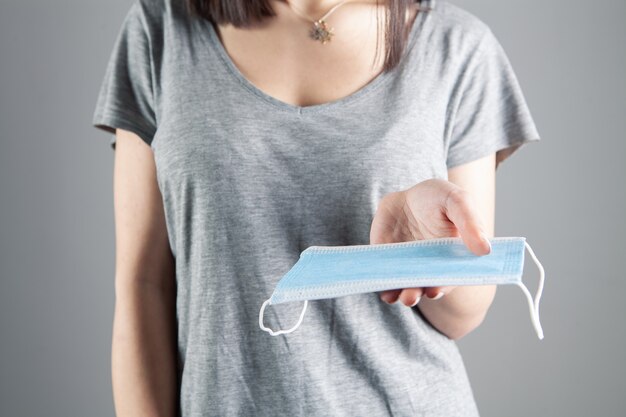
[249,181]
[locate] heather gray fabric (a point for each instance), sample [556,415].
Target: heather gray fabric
[249,181]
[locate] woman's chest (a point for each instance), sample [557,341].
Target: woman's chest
[216,130]
[228,141]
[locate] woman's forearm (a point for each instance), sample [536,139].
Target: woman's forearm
[465,307]
[144,350]
[458,313]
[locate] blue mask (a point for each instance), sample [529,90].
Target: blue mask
[337,271]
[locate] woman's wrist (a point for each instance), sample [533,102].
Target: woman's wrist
[460,311]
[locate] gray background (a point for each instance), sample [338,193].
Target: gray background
[565,194]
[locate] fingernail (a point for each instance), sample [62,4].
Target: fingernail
[438,296]
[486,239]
[386,298]
[416,301]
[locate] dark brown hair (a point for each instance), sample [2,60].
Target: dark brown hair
[242,13]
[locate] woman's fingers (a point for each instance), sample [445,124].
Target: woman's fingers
[407,296]
[390,296]
[435,293]
[411,296]
[461,211]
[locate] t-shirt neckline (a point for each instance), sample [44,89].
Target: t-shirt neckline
[376,82]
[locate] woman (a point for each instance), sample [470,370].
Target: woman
[245,133]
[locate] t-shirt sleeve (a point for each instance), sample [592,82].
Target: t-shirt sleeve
[491,113]
[126,97]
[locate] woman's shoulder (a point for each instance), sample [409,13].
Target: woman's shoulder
[451,16]
[456,23]
[458,32]
[157,13]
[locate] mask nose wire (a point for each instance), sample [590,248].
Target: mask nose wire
[278,332]
[534,306]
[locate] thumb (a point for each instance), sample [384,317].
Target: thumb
[461,212]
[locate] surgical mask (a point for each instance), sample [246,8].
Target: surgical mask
[336,271]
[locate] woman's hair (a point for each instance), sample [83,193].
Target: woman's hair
[242,13]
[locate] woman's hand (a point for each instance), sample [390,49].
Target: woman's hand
[431,209]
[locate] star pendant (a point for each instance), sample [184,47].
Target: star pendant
[321,32]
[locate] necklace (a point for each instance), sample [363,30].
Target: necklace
[320,30]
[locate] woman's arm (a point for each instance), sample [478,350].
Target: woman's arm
[462,206]
[143,346]
[463,309]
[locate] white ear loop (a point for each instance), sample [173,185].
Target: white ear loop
[276,333]
[534,306]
